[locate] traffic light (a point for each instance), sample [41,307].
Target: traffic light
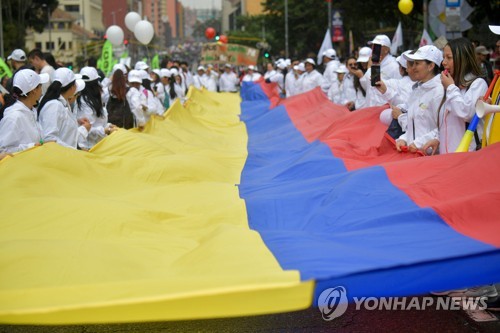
[217,37]
[266,54]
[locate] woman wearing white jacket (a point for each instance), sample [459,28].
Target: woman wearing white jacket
[425,99]
[19,129]
[57,119]
[464,84]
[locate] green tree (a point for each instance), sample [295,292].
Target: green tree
[18,15]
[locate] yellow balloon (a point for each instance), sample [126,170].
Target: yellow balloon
[405,6]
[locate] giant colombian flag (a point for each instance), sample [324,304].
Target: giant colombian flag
[227,207]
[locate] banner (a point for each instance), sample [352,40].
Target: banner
[155,62]
[338,27]
[327,44]
[234,54]
[106,61]
[397,40]
[4,69]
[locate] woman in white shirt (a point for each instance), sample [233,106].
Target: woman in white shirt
[19,129]
[464,84]
[137,100]
[424,101]
[89,105]
[57,119]
[178,89]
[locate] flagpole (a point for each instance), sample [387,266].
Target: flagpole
[286,29]
[425,14]
[330,17]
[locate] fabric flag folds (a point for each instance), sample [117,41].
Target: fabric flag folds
[397,40]
[325,45]
[230,207]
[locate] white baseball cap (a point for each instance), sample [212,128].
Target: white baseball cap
[141,65]
[495,29]
[342,69]
[65,76]
[90,73]
[330,53]
[156,71]
[134,76]
[228,66]
[310,61]
[174,71]
[281,65]
[201,68]
[402,59]
[381,40]
[27,80]
[301,67]
[17,55]
[144,75]
[288,62]
[251,67]
[364,54]
[164,72]
[427,52]
[80,85]
[120,67]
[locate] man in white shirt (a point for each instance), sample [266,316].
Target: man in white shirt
[251,74]
[331,66]
[228,81]
[37,59]
[200,79]
[389,69]
[312,78]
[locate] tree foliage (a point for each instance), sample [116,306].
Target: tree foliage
[18,15]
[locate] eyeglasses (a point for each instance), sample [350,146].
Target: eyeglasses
[352,65]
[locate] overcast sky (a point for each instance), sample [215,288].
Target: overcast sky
[202,3]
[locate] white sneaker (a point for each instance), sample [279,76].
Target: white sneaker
[455,292]
[481,291]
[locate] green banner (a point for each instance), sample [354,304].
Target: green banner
[155,62]
[4,69]
[106,62]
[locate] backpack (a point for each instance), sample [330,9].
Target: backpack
[119,113]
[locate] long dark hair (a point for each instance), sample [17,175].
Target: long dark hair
[356,83]
[173,94]
[53,92]
[10,99]
[118,85]
[92,96]
[464,61]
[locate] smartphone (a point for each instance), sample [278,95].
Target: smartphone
[376,49]
[375,74]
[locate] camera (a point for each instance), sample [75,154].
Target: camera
[376,50]
[375,74]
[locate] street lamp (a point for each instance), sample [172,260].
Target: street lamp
[50,26]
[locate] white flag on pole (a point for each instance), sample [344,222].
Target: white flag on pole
[425,40]
[327,44]
[397,40]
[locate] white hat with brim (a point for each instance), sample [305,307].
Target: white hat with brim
[364,54]
[495,29]
[251,68]
[310,61]
[301,67]
[342,69]
[89,73]
[381,40]
[17,55]
[27,80]
[402,59]
[174,72]
[144,74]
[427,52]
[330,53]
[80,85]
[120,67]
[141,65]
[164,72]
[65,76]
[201,68]
[134,76]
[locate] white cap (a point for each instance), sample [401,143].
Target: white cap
[17,55]
[427,52]
[495,29]
[364,54]
[301,67]
[65,76]
[251,67]
[342,69]
[288,62]
[27,80]
[134,76]
[164,72]
[174,71]
[156,71]
[310,61]
[144,75]
[80,85]
[90,73]
[120,67]
[402,59]
[210,66]
[201,68]
[381,40]
[141,65]
[228,66]
[330,53]
[281,65]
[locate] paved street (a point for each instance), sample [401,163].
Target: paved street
[310,320]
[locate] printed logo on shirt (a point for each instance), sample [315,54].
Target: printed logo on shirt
[423,106]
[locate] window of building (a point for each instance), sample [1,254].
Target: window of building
[49,46]
[72,8]
[38,45]
[70,45]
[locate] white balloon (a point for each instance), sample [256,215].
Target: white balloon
[131,20]
[144,32]
[115,35]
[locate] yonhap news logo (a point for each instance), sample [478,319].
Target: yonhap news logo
[333,303]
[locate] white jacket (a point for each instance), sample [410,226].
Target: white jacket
[310,81]
[422,107]
[97,131]
[228,82]
[136,101]
[349,90]
[19,129]
[389,69]
[279,79]
[291,82]
[252,77]
[269,74]
[330,75]
[59,124]
[459,108]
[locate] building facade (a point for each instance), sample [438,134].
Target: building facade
[231,9]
